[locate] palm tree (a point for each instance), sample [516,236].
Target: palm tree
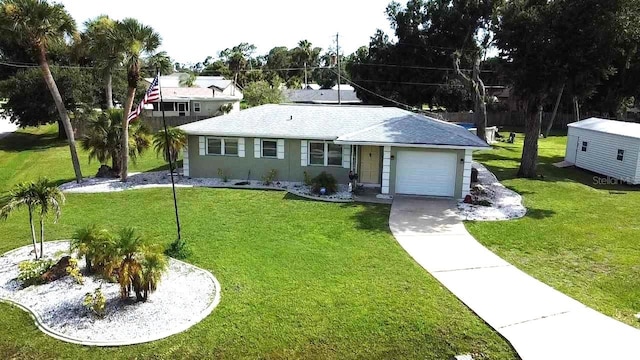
[128,246]
[103,138]
[154,263]
[50,198]
[105,48]
[170,144]
[36,24]
[187,80]
[22,195]
[97,246]
[137,40]
[160,62]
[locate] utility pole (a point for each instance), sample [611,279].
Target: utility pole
[338,61]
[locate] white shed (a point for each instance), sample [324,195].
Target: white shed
[607,147]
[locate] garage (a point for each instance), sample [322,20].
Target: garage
[426,173]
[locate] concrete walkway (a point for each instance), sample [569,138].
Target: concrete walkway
[539,321]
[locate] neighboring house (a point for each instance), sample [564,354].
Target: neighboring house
[394,150]
[326,96]
[607,147]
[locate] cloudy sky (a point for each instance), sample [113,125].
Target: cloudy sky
[192,30]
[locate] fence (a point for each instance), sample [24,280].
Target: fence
[509,119]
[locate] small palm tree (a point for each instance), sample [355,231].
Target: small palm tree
[98,248]
[50,198]
[137,39]
[187,80]
[154,264]
[170,144]
[22,195]
[36,25]
[103,140]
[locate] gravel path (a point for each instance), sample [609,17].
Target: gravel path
[185,296]
[506,203]
[154,179]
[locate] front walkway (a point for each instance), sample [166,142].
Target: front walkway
[539,321]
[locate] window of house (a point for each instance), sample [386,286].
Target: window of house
[196,107]
[334,155]
[214,146]
[231,147]
[168,106]
[316,154]
[584,146]
[325,154]
[620,155]
[156,106]
[269,148]
[221,146]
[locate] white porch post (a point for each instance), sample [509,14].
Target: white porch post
[386,169]
[185,160]
[466,174]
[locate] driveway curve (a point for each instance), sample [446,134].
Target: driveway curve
[539,321]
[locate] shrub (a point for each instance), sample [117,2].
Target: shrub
[307,179]
[98,248]
[324,180]
[74,271]
[270,177]
[31,271]
[95,302]
[222,173]
[178,249]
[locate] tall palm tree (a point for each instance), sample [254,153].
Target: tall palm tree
[36,24]
[170,144]
[22,195]
[138,40]
[50,198]
[105,48]
[103,138]
[159,61]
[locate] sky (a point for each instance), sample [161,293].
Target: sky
[191,30]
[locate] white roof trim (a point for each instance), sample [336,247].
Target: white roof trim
[425,146]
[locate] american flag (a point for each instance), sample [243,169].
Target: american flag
[152,95]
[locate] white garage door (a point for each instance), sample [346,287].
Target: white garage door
[426,173]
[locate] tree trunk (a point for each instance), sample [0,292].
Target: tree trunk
[529,160]
[124,164]
[62,135]
[576,108]
[555,112]
[64,117]
[476,85]
[108,89]
[41,236]
[33,233]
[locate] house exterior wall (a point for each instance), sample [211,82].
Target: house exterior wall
[289,168]
[601,154]
[208,108]
[460,168]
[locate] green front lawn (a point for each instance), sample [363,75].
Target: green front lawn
[579,237]
[300,279]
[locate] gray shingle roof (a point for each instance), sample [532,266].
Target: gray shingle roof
[326,96]
[346,123]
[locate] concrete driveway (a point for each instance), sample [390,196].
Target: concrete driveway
[539,321]
[6,127]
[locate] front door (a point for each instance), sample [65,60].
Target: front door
[182,109]
[370,165]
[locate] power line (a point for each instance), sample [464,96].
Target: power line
[424,84]
[418,67]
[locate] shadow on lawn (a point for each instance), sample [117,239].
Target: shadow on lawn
[21,141]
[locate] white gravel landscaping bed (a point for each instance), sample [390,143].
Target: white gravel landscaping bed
[156,179]
[506,204]
[185,296]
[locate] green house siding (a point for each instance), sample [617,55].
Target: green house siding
[248,167]
[459,167]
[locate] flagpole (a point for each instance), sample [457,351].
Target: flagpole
[166,137]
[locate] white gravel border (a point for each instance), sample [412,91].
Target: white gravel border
[506,203]
[57,311]
[156,179]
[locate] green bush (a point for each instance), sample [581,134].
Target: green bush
[270,177]
[307,179]
[95,302]
[324,180]
[223,174]
[31,271]
[178,249]
[73,271]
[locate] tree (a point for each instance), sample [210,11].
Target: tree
[238,58]
[260,93]
[187,80]
[36,24]
[105,49]
[138,39]
[170,144]
[103,138]
[217,68]
[158,62]
[33,195]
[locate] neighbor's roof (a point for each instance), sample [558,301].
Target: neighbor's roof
[328,96]
[622,128]
[186,93]
[327,122]
[173,81]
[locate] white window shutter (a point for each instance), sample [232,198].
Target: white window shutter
[241,151]
[256,148]
[201,143]
[280,149]
[303,152]
[346,156]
